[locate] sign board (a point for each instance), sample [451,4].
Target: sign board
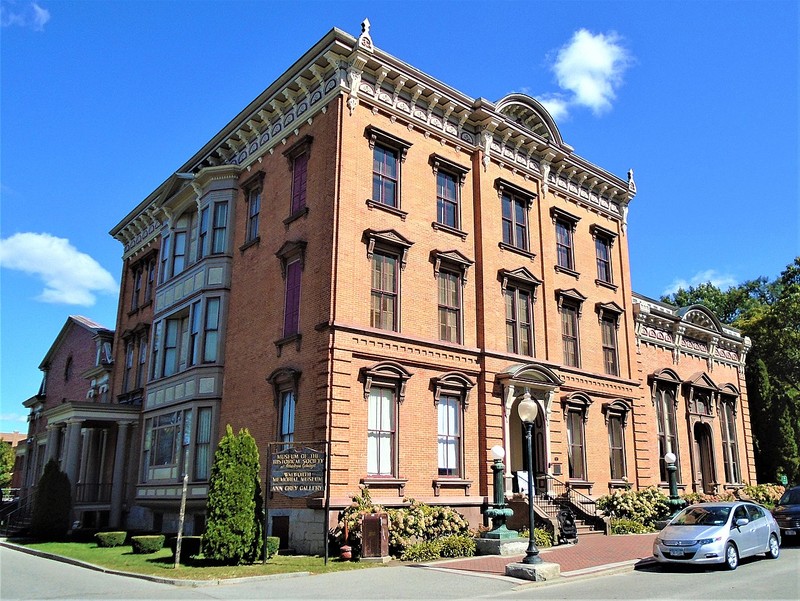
[784,480]
[298,472]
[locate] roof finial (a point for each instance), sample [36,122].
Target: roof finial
[364,40]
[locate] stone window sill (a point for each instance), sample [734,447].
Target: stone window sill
[374,204]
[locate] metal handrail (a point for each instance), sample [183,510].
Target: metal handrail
[557,489]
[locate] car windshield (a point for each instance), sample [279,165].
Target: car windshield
[790,497]
[702,516]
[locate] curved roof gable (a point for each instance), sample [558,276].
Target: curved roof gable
[530,114]
[700,315]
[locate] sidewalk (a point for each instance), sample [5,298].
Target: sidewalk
[591,554]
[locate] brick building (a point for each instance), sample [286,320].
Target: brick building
[368,257]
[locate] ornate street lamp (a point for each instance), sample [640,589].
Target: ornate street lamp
[675,503]
[499,513]
[528,409]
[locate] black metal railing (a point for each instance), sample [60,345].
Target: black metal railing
[17,516]
[556,490]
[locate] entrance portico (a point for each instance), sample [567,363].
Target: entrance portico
[539,383]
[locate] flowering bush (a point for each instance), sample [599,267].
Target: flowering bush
[644,506]
[417,523]
[765,494]
[543,538]
[627,526]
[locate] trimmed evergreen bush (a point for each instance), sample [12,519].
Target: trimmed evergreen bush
[52,507]
[457,546]
[627,526]
[110,539]
[273,544]
[424,551]
[234,527]
[542,538]
[147,544]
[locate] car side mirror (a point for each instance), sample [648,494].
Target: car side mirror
[742,522]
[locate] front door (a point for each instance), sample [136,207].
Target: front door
[519,455]
[704,470]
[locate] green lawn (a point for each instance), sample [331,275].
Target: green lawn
[161,563]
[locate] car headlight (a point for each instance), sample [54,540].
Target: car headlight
[659,541]
[708,541]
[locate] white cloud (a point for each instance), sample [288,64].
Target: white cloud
[723,281]
[13,417]
[590,68]
[15,14]
[70,276]
[556,105]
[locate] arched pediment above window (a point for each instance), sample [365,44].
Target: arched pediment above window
[454,383]
[701,316]
[530,114]
[729,390]
[283,379]
[665,375]
[620,407]
[387,373]
[578,399]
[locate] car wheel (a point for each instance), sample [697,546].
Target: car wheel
[774,548]
[731,557]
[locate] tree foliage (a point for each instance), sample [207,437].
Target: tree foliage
[52,506]
[768,312]
[235,524]
[6,463]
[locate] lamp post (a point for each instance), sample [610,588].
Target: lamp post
[499,513]
[528,409]
[675,503]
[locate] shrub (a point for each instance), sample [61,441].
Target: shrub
[644,506]
[417,523]
[765,494]
[110,539]
[541,537]
[147,544]
[52,507]
[190,546]
[234,529]
[422,551]
[627,526]
[273,543]
[457,546]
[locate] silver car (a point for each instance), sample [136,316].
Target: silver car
[723,533]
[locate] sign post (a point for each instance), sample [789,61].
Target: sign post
[297,471]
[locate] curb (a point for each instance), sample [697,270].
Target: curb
[159,579]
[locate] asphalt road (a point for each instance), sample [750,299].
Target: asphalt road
[27,577]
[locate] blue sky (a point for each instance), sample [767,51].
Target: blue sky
[102,101]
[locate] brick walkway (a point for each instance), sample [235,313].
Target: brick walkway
[595,551]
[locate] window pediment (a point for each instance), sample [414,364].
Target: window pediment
[570,296]
[597,230]
[390,240]
[611,309]
[701,380]
[291,250]
[503,185]
[388,373]
[620,407]
[378,136]
[556,213]
[298,148]
[439,162]
[454,383]
[452,259]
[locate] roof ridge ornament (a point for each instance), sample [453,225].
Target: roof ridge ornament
[365,40]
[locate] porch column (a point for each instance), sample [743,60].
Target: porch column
[72,454]
[118,478]
[51,449]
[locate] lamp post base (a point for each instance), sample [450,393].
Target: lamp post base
[538,572]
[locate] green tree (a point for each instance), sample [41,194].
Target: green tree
[52,506]
[234,529]
[768,312]
[6,463]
